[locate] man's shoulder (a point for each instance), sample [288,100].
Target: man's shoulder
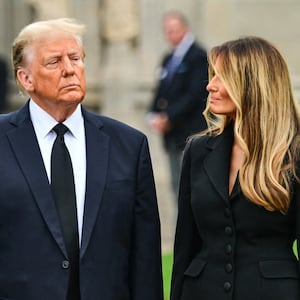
[112,123]
[196,49]
[113,126]
[7,120]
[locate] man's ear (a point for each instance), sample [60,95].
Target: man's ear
[25,79]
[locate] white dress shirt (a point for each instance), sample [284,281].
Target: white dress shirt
[75,142]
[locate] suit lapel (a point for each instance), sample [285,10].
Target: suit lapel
[25,146]
[217,162]
[97,145]
[180,66]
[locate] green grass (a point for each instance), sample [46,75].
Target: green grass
[167,261]
[295,248]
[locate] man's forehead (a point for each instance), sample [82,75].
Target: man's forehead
[57,43]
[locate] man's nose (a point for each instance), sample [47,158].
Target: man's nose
[67,67]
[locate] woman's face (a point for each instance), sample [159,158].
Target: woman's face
[220,102]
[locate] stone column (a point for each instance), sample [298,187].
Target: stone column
[49,9]
[87,11]
[218,18]
[14,14]
[5,12]
[151,41]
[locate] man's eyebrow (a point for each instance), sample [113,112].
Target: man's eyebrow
[51,56]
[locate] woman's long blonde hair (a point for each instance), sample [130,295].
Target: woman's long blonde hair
[267,120]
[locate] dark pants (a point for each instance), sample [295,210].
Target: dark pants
[175,161]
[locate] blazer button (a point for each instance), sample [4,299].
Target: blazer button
[228,230]
[65,264]
[162,103]
[228,249]
[228,267]
[227,212]
[227,286]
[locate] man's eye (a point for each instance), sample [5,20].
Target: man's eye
[76,59]
[52,64]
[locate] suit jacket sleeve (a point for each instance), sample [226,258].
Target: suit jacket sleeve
[157,91]
[146,276]
[187,241]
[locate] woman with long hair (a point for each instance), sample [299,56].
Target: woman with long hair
[239,199]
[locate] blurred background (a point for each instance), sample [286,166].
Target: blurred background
[124,44]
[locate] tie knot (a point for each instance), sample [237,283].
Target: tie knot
[60,129]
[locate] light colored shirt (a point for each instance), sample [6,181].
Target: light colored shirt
[75,142]
[177,56]
[184,45]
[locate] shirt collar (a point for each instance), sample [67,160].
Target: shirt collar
[184,45]
[43,123]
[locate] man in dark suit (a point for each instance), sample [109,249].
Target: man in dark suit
[180,95]
[115,251]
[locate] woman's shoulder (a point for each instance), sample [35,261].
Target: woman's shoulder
[198,145]
[200,141]
[211,139]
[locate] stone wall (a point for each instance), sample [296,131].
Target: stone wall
[213,22]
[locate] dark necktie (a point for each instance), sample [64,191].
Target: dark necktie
[172,66]
[63,188]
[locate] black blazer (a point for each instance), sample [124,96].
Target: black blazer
[120,251]
[226,246]
[183,98]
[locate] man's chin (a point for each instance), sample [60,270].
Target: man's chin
[73,98]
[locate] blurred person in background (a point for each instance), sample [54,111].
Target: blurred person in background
[180,95]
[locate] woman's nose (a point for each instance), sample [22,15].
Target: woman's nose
[211,86]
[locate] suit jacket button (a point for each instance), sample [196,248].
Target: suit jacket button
[227,212]
[65,264]
[228,249]
[228,230]
[227,286]
[162,103]
[228,267]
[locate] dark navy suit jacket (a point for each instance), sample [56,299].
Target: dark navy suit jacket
[183,97]
[120,252]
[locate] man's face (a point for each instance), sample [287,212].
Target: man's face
[54,71]
[174,30]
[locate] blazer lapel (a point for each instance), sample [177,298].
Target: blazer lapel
[97,146]
[25,146]
[217,162]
